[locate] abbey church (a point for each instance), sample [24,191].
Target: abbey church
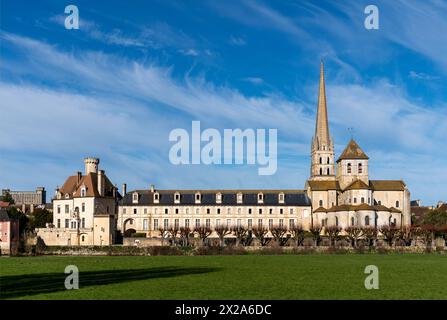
[89,210]
[340,190]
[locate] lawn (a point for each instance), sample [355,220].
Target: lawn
[401,276]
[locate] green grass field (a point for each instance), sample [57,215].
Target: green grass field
[402,276]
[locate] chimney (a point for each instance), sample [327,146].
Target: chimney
[79,175]
[152,188]
[124,189]
[101,182]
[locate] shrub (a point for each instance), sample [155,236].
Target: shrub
[138,235]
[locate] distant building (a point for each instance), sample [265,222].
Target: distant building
[9,233]
[84,209]
[38,197]
[418,211]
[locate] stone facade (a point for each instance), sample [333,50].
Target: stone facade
[347,197]
[9,233]
[84,210]
[34,198]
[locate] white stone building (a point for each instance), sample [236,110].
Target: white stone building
[337,193]
[84,209]
[341,192]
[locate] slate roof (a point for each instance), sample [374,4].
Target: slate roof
[4,215]
[229,197]
[352,151]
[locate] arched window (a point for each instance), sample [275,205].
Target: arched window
[355,200]
[328,171]
[363,200]
[321,203]
[349,168]
[367,221]
[328,160]
[321,160]
[83,192]
[360,168]
[352,221]
[397,204]
[321,171]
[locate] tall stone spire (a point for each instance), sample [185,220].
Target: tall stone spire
[322,127]
[322,153]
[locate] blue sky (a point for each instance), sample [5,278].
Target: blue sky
[135,70]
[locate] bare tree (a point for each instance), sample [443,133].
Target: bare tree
[203,232]
[173,231]
[354,234]
[407,234]
[333,234]
[316,233]
[428,234]
[222,231]
[241,234]
[370,235]
[389,233]
[261,234]
[278,233]
[184,235]
[297,233]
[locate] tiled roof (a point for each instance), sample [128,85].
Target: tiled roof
[352,151]
[323,185]
[358,185]
[363,206]
[387,185]
[229,197]
[72,187]
[4,204]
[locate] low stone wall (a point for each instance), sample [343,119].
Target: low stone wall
[119,250]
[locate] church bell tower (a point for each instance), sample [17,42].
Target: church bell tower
[322,152]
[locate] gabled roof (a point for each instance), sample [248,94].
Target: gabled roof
[352,151]
[320,209]
[387,185]
[72,187]
[317,185]
[357,185]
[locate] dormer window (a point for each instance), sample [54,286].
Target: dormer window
[239,197]
[219,197]
[281,197]
[67,195]
[135,197]
[156,197]
[177,197]
[260,197]
[83,192]
[198,197]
